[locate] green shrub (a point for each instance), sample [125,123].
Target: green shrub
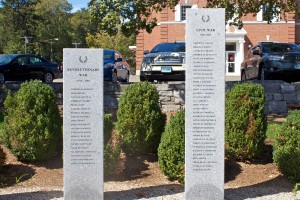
[111,149]
[2,157]
[111,154]
[108,127]
[171,148]
[245,121]
[286,152]
[140,120]
[32,125]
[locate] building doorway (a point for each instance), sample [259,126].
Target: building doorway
[231,59]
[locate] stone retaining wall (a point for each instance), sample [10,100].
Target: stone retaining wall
[280,96]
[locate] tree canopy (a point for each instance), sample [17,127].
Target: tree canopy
[130,16]
[48,25]
[118,42]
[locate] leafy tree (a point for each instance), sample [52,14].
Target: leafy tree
[20,14]
[17,20]
[41,21]
[53,17]
[119,42]
[82,25]
[134,15]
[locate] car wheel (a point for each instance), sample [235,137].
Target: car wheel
[262,74]
[48,77]
[243,76]
[114,77]
[2,78]
[142,78]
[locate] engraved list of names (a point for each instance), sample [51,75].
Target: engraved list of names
[205,99]
[83,124]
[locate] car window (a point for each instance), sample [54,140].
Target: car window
[280,48]
[5,59]
[35,60]
[22,60]
[108,55]
[169,47]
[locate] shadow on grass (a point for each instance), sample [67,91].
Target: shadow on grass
[12,174]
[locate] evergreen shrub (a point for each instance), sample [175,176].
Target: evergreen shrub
[111,149]
[171,149]
[286,147]
[140,120]
[32,126]
[245,121]
[108,127]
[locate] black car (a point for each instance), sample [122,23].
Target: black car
[166,61]
[23,67]
[272,60]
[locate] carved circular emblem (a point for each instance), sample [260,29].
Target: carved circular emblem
[81,60]
[205,19]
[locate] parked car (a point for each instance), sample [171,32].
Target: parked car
[166,61]
[116,67]
[23,67]
[272,60]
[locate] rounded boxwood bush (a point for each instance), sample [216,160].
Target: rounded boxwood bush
[286,147]
[171,148]
[32,125]
[140,120]
[111,149]
[245,121]
[108,127]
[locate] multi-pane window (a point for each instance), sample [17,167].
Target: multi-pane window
[266,8]
[183,11]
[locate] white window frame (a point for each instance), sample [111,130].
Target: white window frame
[178,11]
[260,18]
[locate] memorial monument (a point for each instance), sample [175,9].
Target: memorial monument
[205,104]
[83,124]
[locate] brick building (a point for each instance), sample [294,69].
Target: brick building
[171,28]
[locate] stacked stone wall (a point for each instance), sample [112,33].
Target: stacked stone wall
[280,96]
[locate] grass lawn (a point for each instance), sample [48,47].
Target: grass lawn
[272,130]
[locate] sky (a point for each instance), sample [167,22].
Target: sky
[78,4]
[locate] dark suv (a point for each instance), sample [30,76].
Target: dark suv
[271,60]
[166,61]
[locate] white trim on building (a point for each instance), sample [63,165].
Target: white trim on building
[237,36]
[244,22]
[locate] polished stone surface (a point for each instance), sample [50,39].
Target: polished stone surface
[83,124]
